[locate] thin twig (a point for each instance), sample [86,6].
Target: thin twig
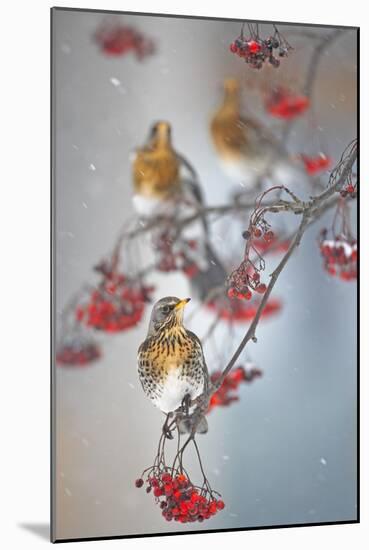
[250,334]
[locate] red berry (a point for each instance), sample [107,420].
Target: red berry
[247,294]
[220,505]
[191,270]
[232,293]
[269,236]
[168,489]
[261,288]
[139,483]
[257,232]
[254,47]
[79,313]
[213,507]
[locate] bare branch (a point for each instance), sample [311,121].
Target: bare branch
[250,334]
[315,58]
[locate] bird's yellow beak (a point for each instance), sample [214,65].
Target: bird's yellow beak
[181,304]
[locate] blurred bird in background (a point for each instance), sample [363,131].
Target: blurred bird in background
[166,185]
[171,363]
[162,178]
[246,150]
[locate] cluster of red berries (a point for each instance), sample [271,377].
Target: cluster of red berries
[77,353]
[314,165]
[235,311]
[273,244]
[176,260]
[243,280]
[260,230]
[117,39]
[286,105]
[340,256]
[225,395]
[246,277]
[179,499]
[257,51]
[349,189]
[117,304]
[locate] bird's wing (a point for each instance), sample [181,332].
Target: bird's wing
[191,188]
[190,179]
[195,191]
[198,344]
[187,165]
[258,135]
[145,364]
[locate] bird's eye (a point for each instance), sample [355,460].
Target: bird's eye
[165,309]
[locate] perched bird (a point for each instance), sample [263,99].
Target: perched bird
[171,363]
[166,184]
[161,176]
[245,148]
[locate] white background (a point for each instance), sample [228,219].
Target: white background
[25,272]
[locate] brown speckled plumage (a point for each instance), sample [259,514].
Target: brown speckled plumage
[171,363]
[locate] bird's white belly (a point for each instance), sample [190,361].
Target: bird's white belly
[174,390]
[150,206]
[245,171]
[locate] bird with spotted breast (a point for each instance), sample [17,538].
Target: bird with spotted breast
[166,184]
[245,148]
[171,363]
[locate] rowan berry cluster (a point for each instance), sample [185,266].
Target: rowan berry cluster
[349,189]
[257,51]
[340,256]
[179,499]
[176,258]
[246,278]
[282,103]
[272,245]
[226,394]
[118,39]
[77,352]
[116,305]
[314,165]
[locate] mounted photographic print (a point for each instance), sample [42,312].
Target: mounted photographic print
[204,205]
